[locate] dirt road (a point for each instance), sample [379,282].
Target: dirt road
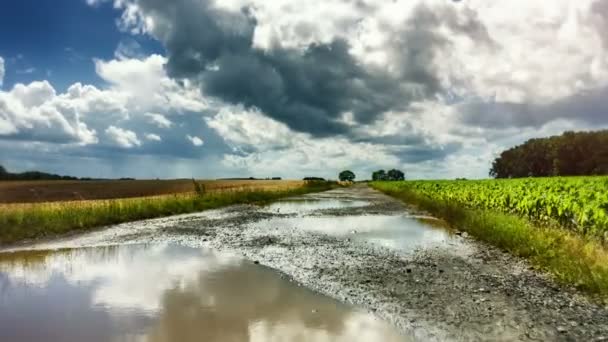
[369,250]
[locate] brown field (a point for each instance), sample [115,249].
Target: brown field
[54,191]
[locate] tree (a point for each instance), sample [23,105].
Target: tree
[395,175]
[570,154]
[379,175]
[347,176]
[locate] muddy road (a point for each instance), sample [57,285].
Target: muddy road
[372,253]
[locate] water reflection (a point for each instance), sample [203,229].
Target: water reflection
[303,206]
[165,293]
[398,232]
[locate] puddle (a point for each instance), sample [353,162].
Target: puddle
[165,293]
[305,205]
[398,232]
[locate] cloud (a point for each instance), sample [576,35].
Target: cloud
[250,129]
[1,71]
[159,120]
[128,48]
[29,70]
[196,141]
[122,137]
[35,112]
[436,87]
[153,137]
[147,87]
[588,106]
[308,88]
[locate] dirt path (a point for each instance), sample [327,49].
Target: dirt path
[369,250]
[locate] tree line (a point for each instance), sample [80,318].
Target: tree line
[31,175]
[569,154]
[391,175]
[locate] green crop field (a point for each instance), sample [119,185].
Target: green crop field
[560,224]
[575,203]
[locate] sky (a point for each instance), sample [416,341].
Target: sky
[239,88]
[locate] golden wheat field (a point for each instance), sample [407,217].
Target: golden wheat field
[56,191]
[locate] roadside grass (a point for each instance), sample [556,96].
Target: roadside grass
[44,220]
[571,258]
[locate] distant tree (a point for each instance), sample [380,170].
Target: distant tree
[395,175]
[347,176]
[314,179]
[570,154]
[379,175]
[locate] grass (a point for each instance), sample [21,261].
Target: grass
[571,258]
[43,220]
[61,191]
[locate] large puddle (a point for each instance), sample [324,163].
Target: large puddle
[398,232]
[165,293]
[306,205]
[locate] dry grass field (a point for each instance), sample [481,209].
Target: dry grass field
[55,191]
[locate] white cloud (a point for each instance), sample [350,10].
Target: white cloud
[147,87]
[196,141]
[273,148]
[29,70]
[35,112]
[242,127]
[1,71]
[159,120]
[122,137]
[544,59]
[153,137]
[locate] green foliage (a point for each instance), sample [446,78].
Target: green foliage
[391,175]
[570,257]
[579,204]
[199,188]
[31,175]
[395,175]
[571,154]
[379,175]
[347,176]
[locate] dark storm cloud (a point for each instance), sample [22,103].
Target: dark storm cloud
[589,106]
[308,90]
[422,153]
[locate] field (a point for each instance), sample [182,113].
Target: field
[576,203]
[19,221]
[558,223]
[52,191]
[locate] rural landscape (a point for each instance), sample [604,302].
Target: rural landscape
[204,170]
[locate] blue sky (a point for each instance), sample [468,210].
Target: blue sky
[209,88]
[57,40]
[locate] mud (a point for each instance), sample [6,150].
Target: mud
[369,250]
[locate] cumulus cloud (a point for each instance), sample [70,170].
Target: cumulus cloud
[35,112]
[250,129]
[196,141]
[309,87]
[153,137]
[122,137]
[159,120]
[426,85]
[1,71]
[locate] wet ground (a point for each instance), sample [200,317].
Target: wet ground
[166,293]
[355,245]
